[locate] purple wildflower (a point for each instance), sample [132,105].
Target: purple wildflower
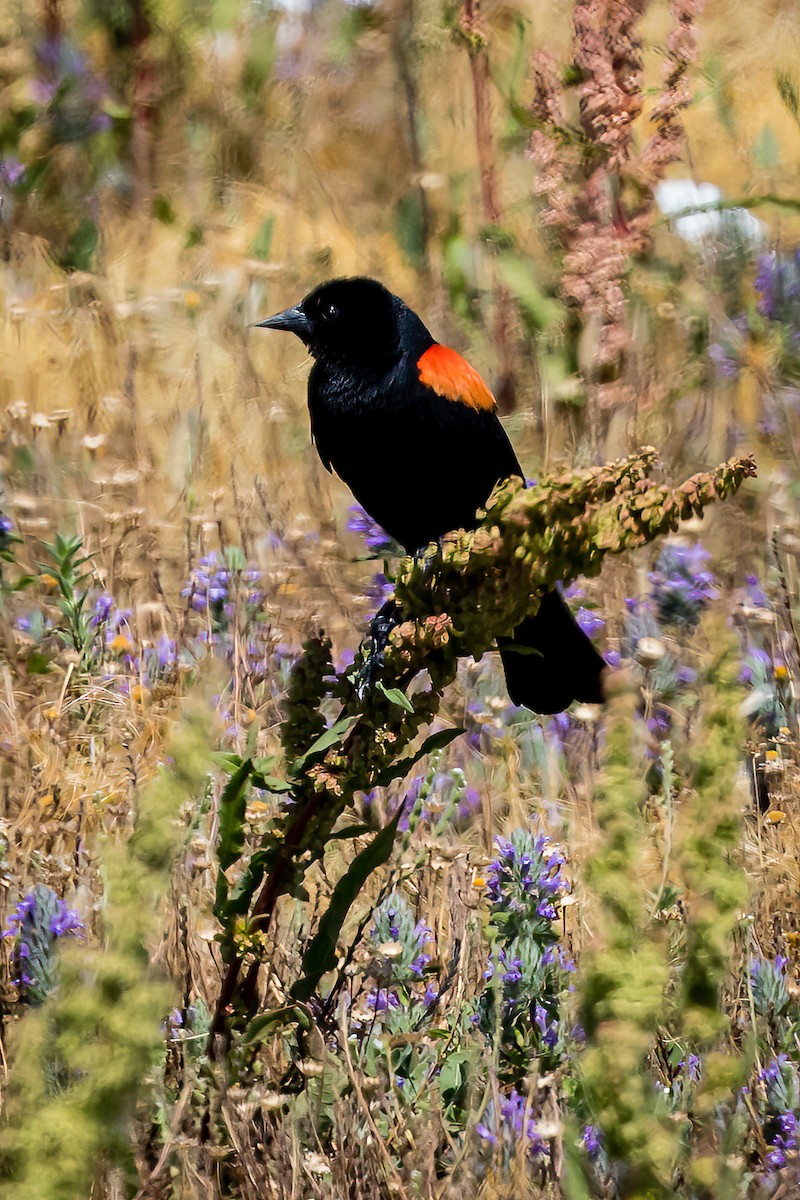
[682,587]
[592,1141]
[376,539]
[382,999]
[590,622]
[66,920]
[11,170]
[723,360]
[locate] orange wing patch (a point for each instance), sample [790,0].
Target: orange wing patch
[451,376]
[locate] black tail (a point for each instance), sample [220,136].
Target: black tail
[556,662]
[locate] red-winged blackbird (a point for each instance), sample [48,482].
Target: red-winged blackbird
[413,430]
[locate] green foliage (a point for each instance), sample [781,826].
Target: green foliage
[321,953]
[709,848]
[261,245]
[622,980]
[67,568]
[81,1059]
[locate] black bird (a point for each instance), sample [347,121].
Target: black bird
[413,430]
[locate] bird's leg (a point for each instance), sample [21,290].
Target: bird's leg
[380,627]
[385,620]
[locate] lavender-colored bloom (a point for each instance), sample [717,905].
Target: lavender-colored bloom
[506,1125]
[73,95]
[431,994]
[382,1000]
[394,922]
[513,969]
[103,606]
[469,803]
[66,920]
[755,593]
[590,622]
[486,1134]
[376,539]
[592,1141]
[38,921]
[681,586]
[547,1027]
[726,364]
[692,1065]
[345,660]
[512,1110]
[380,589]
[11,170]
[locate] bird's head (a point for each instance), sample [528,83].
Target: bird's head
[353,322]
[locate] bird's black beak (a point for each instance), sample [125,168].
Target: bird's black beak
[293,320]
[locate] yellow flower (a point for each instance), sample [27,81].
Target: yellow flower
[138,693]
[120,644]
[776,816]
[192,300]
[49,581]
[479,882]
[781,671]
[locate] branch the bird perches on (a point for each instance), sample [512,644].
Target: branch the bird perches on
[454,601]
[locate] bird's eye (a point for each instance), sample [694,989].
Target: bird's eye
[329,312]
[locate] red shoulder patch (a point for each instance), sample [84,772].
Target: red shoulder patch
[451,376]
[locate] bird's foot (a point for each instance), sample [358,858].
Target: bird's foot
[380,627]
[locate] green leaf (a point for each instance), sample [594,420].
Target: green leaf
[396,696]
[787,90]
[331,737]
[452,1074]
[766,152]
[271,783]
[227,760]
[238,901]
[163,210]
[80,248]
[539,311]
[230,843]
[261,244]
[436,741]
[409,225]
[290,1014]
[37,663]
[264,765]
[320,956]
